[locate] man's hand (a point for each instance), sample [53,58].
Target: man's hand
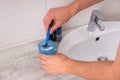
[55,64]
[96,70]
[60,15]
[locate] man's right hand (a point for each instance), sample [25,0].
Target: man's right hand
[60,15]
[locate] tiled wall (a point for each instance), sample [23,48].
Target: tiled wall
[21,20]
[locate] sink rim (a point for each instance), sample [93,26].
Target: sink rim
[84,34]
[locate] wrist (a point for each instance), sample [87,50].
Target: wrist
[70,66]
[74,7]
[67,10]
[79,5]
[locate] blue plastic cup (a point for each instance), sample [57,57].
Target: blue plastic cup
[49,49]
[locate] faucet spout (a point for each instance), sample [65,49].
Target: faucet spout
[95,21]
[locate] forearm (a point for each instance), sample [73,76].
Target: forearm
[79,5]
[99,70]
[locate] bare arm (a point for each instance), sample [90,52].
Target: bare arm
[62,14]
[99,70]
[79,5]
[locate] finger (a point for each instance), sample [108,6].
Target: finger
[44,56]
[43,66]
[43,62]
[41,56]
[56,25]
[47,21]
[41,59]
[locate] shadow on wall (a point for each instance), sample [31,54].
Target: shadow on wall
[110,9]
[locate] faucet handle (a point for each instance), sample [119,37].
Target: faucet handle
[98,14]
[96,21]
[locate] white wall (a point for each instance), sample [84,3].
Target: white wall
[21,20]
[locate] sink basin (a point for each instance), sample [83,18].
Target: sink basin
[81,44]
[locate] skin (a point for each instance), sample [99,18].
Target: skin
[97,70]
[62,14]
[61,64]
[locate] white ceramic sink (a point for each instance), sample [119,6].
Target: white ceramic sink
[81,44]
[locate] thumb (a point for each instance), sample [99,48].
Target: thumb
[54,28]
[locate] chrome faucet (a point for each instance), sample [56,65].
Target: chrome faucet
[95,21]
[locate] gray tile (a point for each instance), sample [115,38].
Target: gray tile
[23,64]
